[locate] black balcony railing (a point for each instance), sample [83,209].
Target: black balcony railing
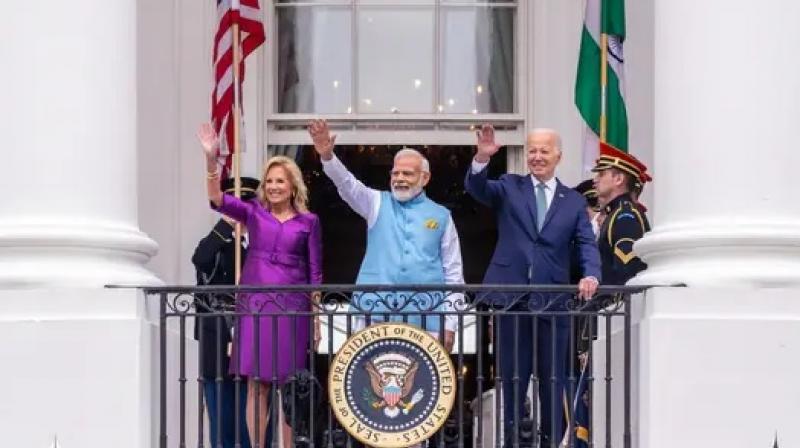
[503,333]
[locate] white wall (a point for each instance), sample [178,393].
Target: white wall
[175,82]
[158,139]
[555,35]
[174,91]
[639,60]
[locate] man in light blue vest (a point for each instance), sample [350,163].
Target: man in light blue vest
[410,239]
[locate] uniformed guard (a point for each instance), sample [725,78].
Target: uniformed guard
[616,187]
[586,188]
[618,177]
[214,261]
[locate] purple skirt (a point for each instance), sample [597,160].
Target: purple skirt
[275,342]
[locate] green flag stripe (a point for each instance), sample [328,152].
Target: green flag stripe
[613,18]
[587,95]
[587,87]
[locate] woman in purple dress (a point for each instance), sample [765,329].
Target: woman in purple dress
[285,248]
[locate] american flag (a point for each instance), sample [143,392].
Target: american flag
[251,34]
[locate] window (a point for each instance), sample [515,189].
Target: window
[403,57]
[315,54]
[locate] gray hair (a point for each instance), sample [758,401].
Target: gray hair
[553,132]
[406,152]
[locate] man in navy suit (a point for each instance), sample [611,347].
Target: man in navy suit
[539,222]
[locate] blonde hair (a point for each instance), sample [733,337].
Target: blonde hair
[299,198]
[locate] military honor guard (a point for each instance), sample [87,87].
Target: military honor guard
[619,178]
[214,262]
[618,220]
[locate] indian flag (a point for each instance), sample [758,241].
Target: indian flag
[602,104]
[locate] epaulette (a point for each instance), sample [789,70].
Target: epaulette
[626,210]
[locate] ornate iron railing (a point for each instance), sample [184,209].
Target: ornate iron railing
[489,320]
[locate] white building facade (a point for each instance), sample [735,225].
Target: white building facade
[106,182]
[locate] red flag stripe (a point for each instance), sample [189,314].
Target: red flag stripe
[251,36]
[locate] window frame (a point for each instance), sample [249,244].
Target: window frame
[393,129]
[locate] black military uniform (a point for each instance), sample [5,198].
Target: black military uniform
[214,260]
[586,188]
[624,224]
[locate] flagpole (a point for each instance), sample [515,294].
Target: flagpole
[237,182]
[603,82]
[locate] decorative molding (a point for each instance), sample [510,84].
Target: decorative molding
[73,253]
[743,252]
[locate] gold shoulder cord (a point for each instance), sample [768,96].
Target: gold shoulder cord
[611,225]
[227,240]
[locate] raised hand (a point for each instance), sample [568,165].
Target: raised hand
[209,140]
[486,144]
[322,138]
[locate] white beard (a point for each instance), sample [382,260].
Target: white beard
[406,195]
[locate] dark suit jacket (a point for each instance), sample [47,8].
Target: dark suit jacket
[214,260]
[524,255]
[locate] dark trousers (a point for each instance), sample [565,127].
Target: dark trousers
[226,421]
[542,351]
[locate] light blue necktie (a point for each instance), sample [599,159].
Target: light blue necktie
[541,205]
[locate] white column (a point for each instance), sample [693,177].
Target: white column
[727,117]
[79,356]
[715,363]
[68,121]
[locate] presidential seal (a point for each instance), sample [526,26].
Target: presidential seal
[392,385]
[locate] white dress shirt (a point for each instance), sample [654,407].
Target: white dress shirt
[367,203]
[549,189]
[596,225]
[550,185]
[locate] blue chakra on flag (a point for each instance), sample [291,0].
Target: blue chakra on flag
[615,49]
[392,385]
